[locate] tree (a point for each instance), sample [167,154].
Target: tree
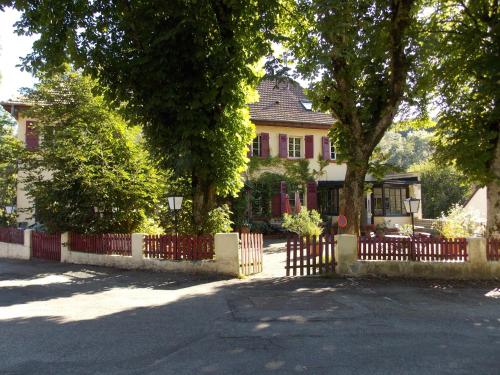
[403,150]
[363,57]
[442,188]
[181,68]
[465,41]
[10,152]
[91,173]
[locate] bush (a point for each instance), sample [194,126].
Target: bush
[459,222]
[219,220]
[305,223]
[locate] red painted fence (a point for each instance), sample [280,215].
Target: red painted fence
[181,247]
[12,235]
[493,248]
[108,244]
[310,255]
[420,249]
[46,246]
[251,253]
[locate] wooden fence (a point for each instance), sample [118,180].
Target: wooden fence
[251,253]
[310,255]
[46,246]
[12,235]
[181,247]
[493,248]
[413,249]
[108,244]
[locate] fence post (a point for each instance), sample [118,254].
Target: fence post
[346,253]
[137,248]
[476,249]
[227,253]
[27,243]
[65,250]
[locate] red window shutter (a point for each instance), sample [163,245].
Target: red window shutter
[309,140]
[264,145]
[312,196]
[283,146]
[283,197]
[276,205]
[31,136]
[325,145]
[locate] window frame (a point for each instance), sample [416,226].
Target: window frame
[384,204]
[300,151]
[333,155]
[257,152]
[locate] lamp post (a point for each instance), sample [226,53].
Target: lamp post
[175,203]
[411,206]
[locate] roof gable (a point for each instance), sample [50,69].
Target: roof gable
[282,102]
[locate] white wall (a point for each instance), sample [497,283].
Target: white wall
[479,203]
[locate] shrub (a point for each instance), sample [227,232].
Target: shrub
[305,223]
[219,220]
[459,222]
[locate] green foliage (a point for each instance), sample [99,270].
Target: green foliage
[458,222]
[464,39]
[219,220]
[10,151]
[182,68]
[402,150]
[91,173]
[267,185]
[406,230]
[442,187]
[305,223]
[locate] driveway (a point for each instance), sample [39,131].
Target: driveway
[68,319]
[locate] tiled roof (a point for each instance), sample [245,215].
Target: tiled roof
[281,102]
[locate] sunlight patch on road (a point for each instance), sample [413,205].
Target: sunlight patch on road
[88,306]
[495,293]
[46,280]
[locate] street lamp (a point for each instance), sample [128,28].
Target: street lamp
[411,206]
[175,204]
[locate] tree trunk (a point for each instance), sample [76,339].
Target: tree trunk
[353,197]
[203,201]
[493,196]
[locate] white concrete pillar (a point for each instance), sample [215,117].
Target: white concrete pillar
[65,250]
[476,248]
[346,253]
[138,249]
[227,253]
[368,208]
[27,243]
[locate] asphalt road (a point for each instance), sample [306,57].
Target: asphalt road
[68,319]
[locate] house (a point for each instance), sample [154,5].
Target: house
[478,203]
[289,129]
[27,135]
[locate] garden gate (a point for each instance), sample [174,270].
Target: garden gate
[46,246]
[310,255]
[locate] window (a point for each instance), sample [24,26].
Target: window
[328,201]
[333,152]
[294,147]
[256,146]
[307,104]
[291,200]
[389,201]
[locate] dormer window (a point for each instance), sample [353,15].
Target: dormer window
[307,104]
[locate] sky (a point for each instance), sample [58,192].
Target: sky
[12,47]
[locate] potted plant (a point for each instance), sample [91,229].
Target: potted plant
[307,223]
